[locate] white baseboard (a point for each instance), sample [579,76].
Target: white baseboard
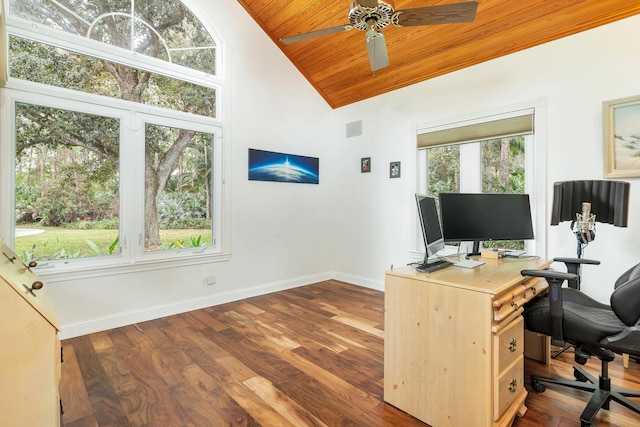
[117,320]
[360,281]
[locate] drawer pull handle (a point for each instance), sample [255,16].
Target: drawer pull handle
[533,290]
[513,344]
[12,259]
[514,305]
[37,285]
[513,385]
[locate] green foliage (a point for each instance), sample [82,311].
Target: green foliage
[93,246]
[67,161]
[444,169]
[196,242]
[105,224]
[58,243]
[503,169]
[114,245]
[174,207]
[96,248]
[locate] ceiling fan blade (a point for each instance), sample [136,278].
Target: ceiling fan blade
[316,33]
[438,14]
[377,50]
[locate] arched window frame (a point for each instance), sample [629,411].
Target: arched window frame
[18,90]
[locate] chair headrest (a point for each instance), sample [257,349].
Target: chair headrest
[635,272]
[625,299]
[630,274]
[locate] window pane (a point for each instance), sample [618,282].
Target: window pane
[178,195]
[443,169]
[37,62]
[503,165]
[67,183]
[503,172]
[161,27]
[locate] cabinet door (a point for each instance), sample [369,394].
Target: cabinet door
[29,392]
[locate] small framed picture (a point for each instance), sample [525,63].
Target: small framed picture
[394,170]
[621,125]
[365,164]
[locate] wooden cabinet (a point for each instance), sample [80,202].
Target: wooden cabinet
[30,355]
[454,342]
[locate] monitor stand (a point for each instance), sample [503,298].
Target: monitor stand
[475,251]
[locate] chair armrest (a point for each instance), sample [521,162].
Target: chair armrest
[549,274]
[555,280]
[577,260]
[573,266]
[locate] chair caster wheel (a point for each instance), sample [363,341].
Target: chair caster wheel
[538,386]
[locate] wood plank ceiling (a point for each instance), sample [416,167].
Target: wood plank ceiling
[338,67]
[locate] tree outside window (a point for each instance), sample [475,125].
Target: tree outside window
[68,177]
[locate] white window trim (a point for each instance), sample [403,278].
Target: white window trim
[129,260]
[535,160]
[80,44]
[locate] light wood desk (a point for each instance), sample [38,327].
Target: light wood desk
[454,342]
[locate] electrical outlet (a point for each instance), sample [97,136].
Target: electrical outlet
[211,279]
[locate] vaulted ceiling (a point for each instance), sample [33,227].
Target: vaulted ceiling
[338,67]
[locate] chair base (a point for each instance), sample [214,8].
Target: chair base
[603,391]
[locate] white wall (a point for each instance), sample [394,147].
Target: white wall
[279,231]
[353,226]
[573,76]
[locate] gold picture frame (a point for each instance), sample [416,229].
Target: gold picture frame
[621,135]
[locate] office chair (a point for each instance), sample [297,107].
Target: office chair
[595,329]
[585,203]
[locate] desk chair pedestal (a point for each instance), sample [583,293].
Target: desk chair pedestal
[603,391]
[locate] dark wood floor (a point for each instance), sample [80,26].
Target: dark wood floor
[310,356]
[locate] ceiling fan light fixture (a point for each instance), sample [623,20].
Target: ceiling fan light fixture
[360,16]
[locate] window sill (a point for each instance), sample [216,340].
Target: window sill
[60,273]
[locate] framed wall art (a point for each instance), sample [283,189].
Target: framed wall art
[394,170]
[365,164]
[282,167]
[621,128]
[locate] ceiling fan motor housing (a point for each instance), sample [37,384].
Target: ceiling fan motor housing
[361,17]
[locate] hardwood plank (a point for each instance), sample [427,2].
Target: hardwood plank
[310,356]
[79,407]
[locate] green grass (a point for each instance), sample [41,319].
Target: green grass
[57,242]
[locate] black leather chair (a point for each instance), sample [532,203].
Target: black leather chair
[573,265]
[595,329]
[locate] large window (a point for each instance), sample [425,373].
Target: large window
[110,121]
[489,155]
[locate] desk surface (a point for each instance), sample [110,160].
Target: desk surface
[493,277]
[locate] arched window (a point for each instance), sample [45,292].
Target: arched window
[112,124]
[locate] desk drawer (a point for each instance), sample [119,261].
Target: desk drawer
[508,387]
[508,365]
[509,344]
[509,302]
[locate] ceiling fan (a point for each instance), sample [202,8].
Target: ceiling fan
[373,15]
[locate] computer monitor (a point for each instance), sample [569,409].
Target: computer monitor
[430,224]
[478,217]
